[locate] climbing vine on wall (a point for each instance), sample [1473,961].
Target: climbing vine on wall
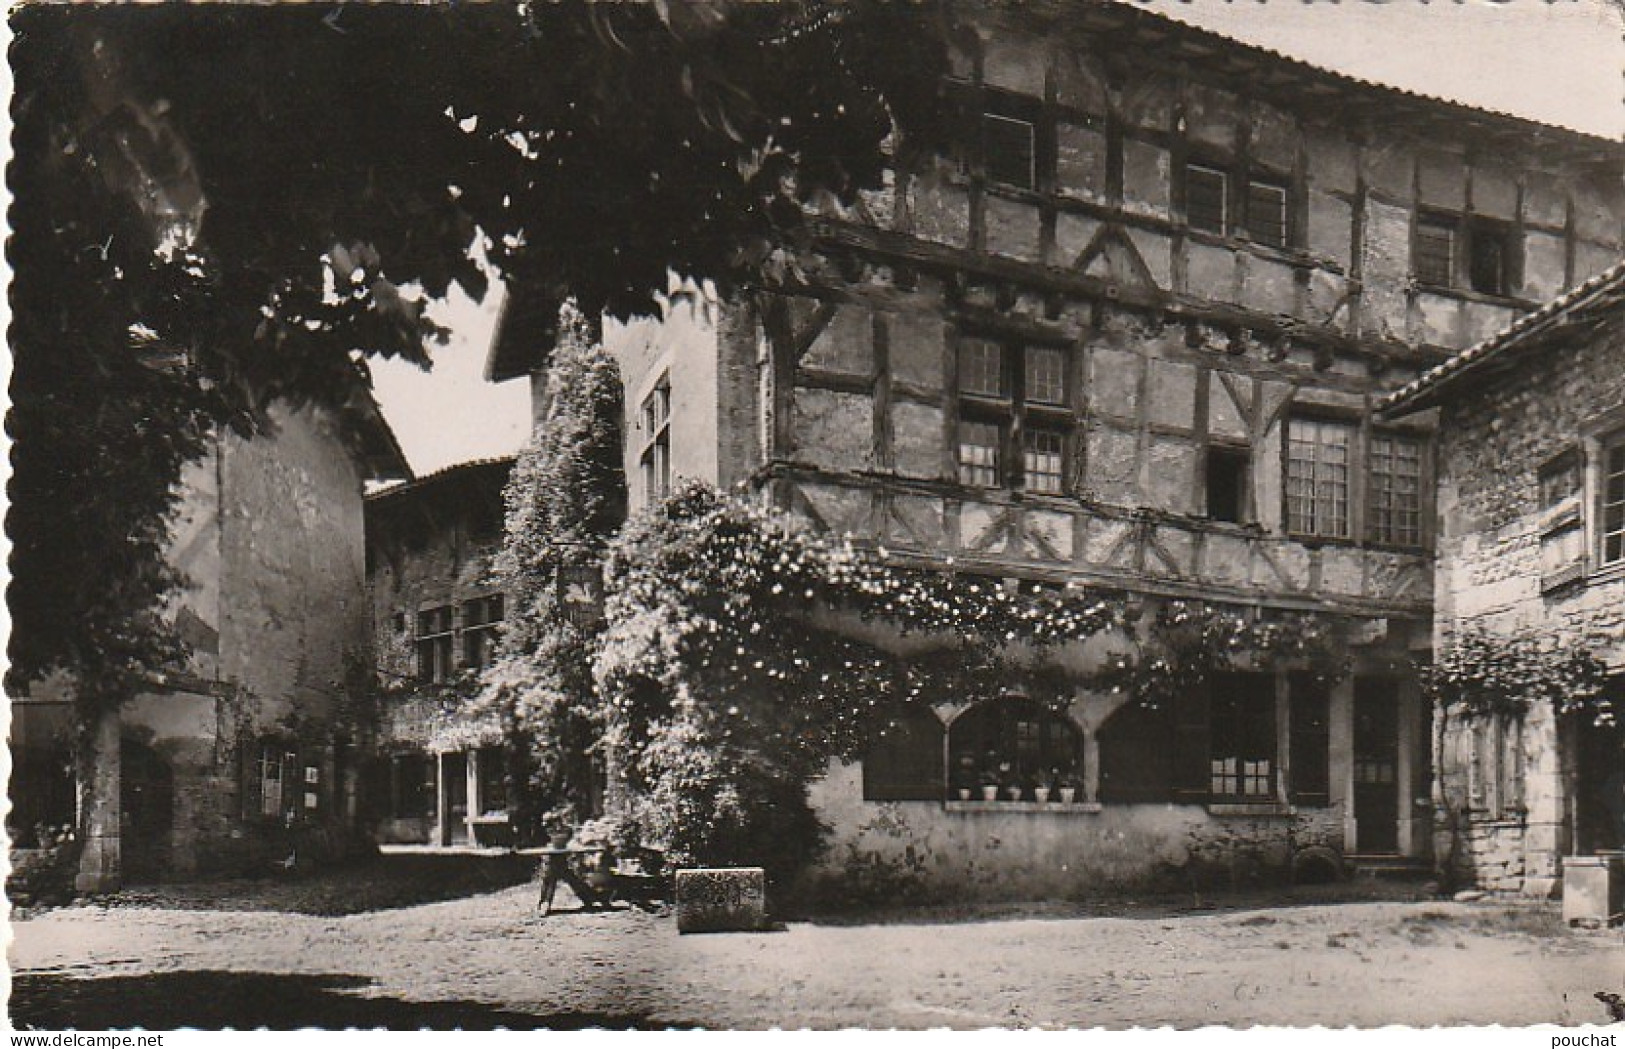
[1479,674]
[1184,643]
[727,686]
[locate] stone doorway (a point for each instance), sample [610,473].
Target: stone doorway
[146,810]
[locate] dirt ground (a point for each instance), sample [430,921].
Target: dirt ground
[384,948]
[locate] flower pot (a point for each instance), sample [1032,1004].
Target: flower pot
[990,793]
[1014,793]
[1068,794]
[1042,794]
[964,793]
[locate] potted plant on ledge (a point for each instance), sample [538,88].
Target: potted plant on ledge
[1045,784]
[1070,782]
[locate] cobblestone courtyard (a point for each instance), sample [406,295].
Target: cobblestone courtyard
[277,954]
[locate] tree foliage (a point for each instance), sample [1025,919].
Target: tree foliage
[245,202]
[1184,642]
[727,687]
[1477,673]
[566,497]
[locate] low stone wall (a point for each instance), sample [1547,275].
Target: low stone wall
[924,850]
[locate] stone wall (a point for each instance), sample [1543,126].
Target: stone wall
[1500,568]
[921,850]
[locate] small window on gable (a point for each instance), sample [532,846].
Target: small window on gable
[1227,473]
[1009,150]
[1206,190]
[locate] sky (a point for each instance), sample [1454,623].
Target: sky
[1557,61]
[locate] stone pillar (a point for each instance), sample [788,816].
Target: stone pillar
[1547,797]
[1340,742]
[442,804]
[100,862]
[1408,777]
[476,803]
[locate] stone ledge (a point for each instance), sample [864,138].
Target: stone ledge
[1056,808]
[1249,809]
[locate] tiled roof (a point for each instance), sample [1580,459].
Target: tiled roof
[442,475]
[1605,290]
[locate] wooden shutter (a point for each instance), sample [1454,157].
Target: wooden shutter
[1135,755]
[1310,743]
[904,763]
[1191,731]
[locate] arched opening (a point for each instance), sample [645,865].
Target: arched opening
[1013,748]
[146,810]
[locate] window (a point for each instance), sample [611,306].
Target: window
[1227,473]
[411,786]
[1489,257]
[1495,767]
[1014,418]
[1015,745]
[1136,758]
[1260,210]
[493,780]
[1318,458]
[1450,250]
[1433,255]
[1041,465]
[1009,150]
[273,766]
[904,758]
[1266,220]
[979,454]
[655,458]
[434,645]
[1611,524]
[1241,747]
[1396,490]
[482,623]
[1206,192]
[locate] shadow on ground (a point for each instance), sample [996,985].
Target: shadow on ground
[1147,906]
[378,883]
[214,1000]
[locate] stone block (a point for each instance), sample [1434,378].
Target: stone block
[1072,235]
[1080,161]
[1173,394]
[1442,181]
[721,899]
[916,349]
[941,211]
[1331,224]
[1012,228]
[833,430]
[917,439]
[1268,287]
[1157,252]
[1145,178]
[1210,272]
[1495,192]
[845,345]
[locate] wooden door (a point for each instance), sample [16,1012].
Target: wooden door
[1376,765]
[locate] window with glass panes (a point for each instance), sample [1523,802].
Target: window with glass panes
[655,458]
[1317,477]
[1241,748]
[434,644]
[1266,218]
[1009,150]
[1395,494]
[1013,415]
[1611,530]
[1206,193]
[1433,251]
[482,621]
